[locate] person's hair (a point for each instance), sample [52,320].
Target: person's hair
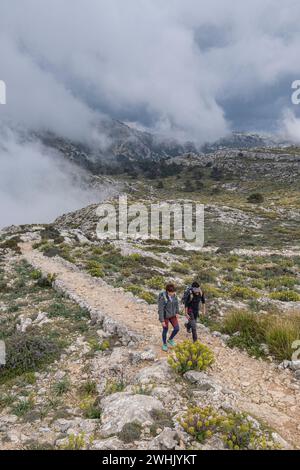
[170,287]
[196,284]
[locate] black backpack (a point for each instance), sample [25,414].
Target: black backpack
[188,294]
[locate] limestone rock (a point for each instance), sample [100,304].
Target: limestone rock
[168,439]
[122,408]
[108,444]
[159,373]
[202,381]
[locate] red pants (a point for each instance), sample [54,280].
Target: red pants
[175,324]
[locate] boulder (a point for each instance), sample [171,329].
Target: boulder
[25,323]
[294,365]
[168,439]
[123,408]
[202,381]
[297,374]
[108,444]
[137,356]
[158,373]
[76,425]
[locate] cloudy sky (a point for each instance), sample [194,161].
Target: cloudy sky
[186,68]
[191,68]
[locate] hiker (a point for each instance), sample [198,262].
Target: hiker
[168,310]
[193,297]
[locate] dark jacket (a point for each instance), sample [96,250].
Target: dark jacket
[193,303]
[167,308]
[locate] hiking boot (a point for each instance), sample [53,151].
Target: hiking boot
[171,342]
[165,347]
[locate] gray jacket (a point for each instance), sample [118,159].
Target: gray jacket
[167,308]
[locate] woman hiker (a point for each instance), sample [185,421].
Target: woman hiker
[168,311]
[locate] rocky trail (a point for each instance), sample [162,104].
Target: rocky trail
[257,387]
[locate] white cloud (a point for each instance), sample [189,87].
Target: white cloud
[291,127]
[36,185]
[143,60]
[168,65]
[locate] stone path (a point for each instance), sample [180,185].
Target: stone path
[262,390]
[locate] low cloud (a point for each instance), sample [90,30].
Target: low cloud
[36,185]
[291,127]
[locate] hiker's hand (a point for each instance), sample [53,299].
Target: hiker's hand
[163,324]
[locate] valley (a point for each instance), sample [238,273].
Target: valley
[85,310]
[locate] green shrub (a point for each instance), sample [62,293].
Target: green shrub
[237,430]
[247,343]
[238,292]
[75,442]
[130,432]
[13,308]
[245,322]
[281,281]
[95,269]
[3,286]
[36,274]
[255,198]
[285,296]
[135,258]
[161,419]
[92,412]
[89,388]
[258,284]
[142,389]
[21,408]
[46,281]
[240,433]
[98,250]
[90,408]
[12,244]
[278,333]
[67,310]
[6,400]
[201,423]
[136,290]
[62,387]
[105,345]
[30,378]
[156,282]
[212,291]
[114,386]
[149,297]
[251,328]
[27,352]
[280,336]
[207,276]
[182,268]
[190,356]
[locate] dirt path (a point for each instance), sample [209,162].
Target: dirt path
[261,389]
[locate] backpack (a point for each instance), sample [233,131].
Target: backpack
[187,295]
[164,295]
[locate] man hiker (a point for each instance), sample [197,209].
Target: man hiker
[168,310]
[193,298]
